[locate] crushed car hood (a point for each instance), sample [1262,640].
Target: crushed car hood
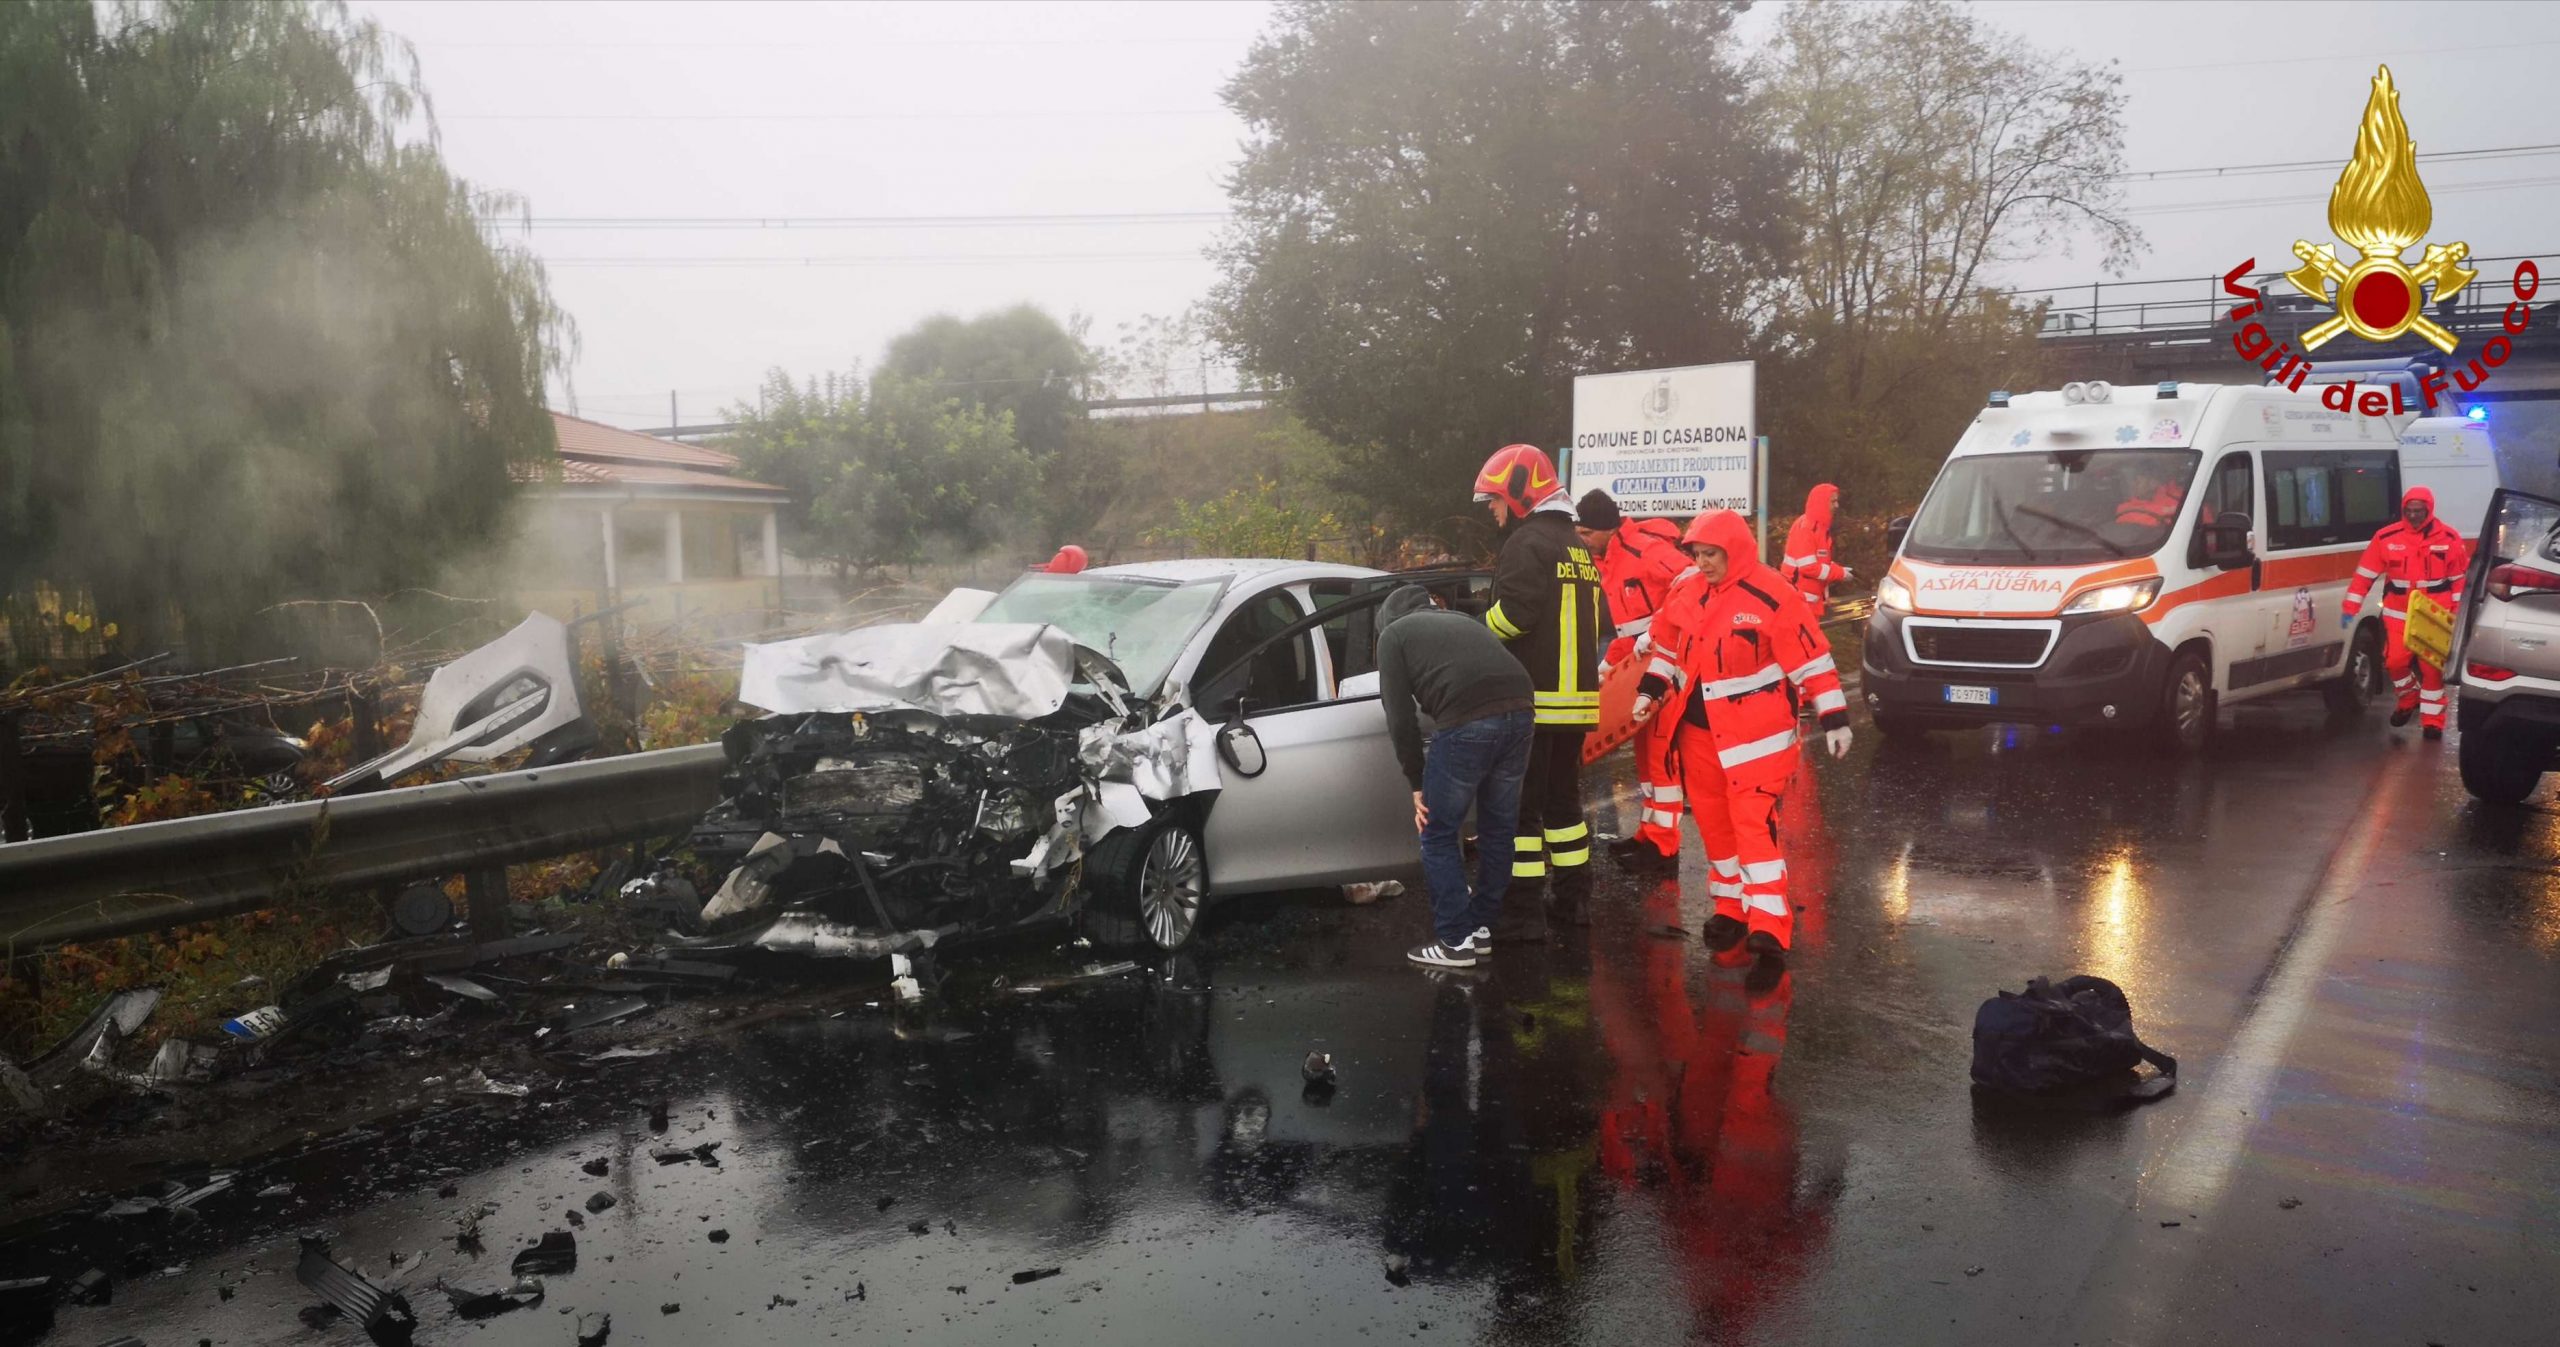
[1022,670]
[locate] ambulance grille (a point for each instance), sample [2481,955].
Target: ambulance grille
[2020,648]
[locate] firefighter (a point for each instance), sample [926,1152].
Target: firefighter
[1547,608]
[1808,564]
[1638,561]
[2416,551]
[1730,663]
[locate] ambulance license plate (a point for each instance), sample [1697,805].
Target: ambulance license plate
[1965,696]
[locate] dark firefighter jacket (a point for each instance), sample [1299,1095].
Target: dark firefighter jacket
[1548,607]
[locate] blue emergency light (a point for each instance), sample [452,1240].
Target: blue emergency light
[2477,413]
[2168,389]
[1999,397]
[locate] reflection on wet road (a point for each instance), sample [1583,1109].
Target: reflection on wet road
[1620,1137]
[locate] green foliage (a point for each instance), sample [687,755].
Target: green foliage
[1022,363]
[1018,360]
[889,473]
[253,342]
[1255,521]
[1447,210]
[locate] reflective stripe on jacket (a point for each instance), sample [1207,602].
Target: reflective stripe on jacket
[1547,607]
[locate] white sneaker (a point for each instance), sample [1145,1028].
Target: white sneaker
[1480,944]
[1437,955]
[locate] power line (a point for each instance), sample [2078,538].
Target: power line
[938,115]
[2189,207]
[644,222]
[2328,165]
[855,260]
[2341,56]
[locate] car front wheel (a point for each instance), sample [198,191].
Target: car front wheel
[1149,885]
[2500,768]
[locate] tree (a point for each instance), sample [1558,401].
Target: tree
[1018,360]
[254,344]
[891,473]
[1929,150]
[1447,210]
[1022,363]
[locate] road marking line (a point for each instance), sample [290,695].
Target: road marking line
[2197,1166]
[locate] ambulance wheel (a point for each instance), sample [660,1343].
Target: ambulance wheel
[2352,692]
[2501,768]
[2187,705]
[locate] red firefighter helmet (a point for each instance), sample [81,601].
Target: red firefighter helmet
[1069,561]
[1519,475]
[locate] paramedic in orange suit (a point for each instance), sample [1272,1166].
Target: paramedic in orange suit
[1742,655]
[2415,551]
[1639,559]
[1808,564]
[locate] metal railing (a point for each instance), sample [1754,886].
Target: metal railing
[2191,306]
[149,876]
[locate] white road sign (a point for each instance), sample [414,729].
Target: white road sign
[1666,441]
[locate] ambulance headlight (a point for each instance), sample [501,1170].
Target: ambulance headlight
[2128,598]
[1892,593]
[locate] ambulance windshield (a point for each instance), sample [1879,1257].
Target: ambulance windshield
[2068,507]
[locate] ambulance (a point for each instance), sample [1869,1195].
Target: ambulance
[2134,559]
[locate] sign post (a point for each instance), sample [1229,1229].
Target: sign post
[1760,491]
[1670,441]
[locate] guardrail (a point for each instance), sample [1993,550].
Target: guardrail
[2194,304]
[118,881]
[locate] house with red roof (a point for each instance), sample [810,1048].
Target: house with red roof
[629,516]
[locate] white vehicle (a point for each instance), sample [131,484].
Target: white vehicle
[2132,559]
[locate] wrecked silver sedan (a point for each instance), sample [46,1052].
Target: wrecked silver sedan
[1113,747]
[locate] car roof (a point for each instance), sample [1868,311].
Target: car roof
[1187,570]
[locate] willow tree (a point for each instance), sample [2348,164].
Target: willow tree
[254,342]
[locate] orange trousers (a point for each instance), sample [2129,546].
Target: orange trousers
[1658,782]
[1738,821]
[2418,683]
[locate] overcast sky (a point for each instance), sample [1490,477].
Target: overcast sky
[652,118]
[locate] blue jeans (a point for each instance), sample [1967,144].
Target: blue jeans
[1478,763]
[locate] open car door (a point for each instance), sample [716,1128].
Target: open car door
[1312,794]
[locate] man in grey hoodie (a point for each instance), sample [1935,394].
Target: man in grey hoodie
[1454,670]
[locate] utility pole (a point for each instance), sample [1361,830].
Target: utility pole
[675,427]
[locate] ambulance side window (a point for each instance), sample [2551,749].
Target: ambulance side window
[2302,499]
[2225,492]
[2368,491]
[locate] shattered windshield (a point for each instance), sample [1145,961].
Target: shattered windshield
[1141,624]
[2066,507]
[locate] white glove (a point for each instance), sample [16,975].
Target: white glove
[1643,707]
[1837,741]
[1605,667]
[1847,575]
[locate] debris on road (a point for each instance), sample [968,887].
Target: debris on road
[1086,976]
[556,1252]
[526,1292]
[594,1328]
[600,1203]
[1035,1274]
[1396,1270]
[597,1166]
[1317,1067]
[350,1292]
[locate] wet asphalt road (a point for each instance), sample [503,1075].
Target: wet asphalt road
[1616,1138]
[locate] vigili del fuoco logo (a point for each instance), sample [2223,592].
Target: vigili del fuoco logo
[2380,207]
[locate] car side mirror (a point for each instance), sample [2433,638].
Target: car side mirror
[1895,530]
[2226,542]
[1241,749]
